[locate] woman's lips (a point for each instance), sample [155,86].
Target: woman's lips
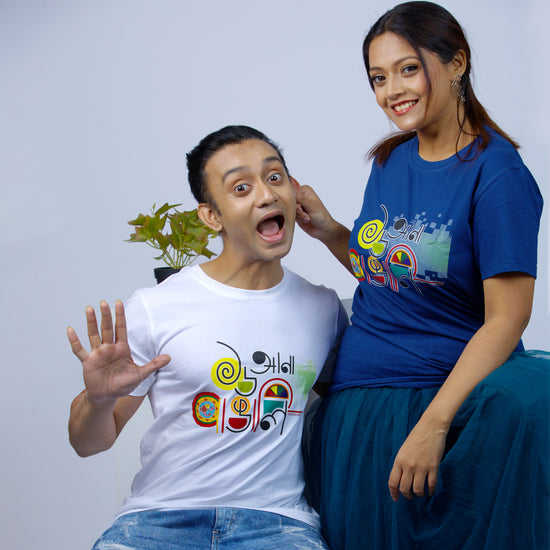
[403,107]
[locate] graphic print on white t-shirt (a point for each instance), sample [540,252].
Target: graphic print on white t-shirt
[246,400]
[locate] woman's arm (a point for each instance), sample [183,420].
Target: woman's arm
[313,217]
[508,302]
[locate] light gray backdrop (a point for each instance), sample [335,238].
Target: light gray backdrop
[99,102]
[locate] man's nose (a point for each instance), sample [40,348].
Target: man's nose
[265,194]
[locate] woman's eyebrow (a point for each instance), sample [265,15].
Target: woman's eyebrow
[397,62]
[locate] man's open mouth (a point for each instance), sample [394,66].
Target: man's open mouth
[271,226]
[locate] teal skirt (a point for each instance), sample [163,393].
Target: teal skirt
[493,482]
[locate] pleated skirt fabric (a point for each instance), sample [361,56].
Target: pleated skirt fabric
[493,483]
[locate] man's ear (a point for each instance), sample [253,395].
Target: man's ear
[209,216]
[295,184]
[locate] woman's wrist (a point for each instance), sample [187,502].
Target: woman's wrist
[335,234]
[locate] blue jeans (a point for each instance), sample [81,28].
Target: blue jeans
[210,529]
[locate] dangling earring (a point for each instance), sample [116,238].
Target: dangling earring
[457,85]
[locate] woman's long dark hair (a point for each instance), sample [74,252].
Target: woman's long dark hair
[428,26]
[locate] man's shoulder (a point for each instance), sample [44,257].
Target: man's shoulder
[300,284]
[180,282]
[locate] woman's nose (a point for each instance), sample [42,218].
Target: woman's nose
[394,87]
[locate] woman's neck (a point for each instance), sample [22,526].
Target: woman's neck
[440,143]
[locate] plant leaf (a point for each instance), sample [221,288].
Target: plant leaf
[186,237]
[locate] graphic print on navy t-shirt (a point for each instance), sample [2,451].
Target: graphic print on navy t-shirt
[402,253]
[254,401]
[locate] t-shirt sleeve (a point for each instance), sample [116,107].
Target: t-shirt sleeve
[342,321]
[505,222]
[139,339]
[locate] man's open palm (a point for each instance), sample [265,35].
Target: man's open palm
[108,368]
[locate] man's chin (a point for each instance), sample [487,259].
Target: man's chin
[280,250]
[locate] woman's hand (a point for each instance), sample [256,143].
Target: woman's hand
[313,217]
[417,462]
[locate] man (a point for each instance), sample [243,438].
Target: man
[227,352]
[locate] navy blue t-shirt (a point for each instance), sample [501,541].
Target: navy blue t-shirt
[427,236]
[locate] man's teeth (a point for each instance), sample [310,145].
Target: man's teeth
[403,106]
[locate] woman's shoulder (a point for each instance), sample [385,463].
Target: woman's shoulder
[500,151]
[399,155]
[501,169]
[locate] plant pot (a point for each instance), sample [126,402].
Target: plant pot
[162,273]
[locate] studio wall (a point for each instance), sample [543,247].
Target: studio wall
[99,102]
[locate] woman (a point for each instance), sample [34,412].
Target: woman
[422,442]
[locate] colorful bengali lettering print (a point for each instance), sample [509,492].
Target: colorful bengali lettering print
[402,253]
[243,404]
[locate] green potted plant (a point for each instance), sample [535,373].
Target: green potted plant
[184,240]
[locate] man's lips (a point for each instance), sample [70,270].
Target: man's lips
[403,107]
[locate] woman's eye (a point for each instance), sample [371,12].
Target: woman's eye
[377,79]
[410,69]
[274,178]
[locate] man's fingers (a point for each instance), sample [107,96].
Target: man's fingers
[76,346]
[107,335]
[93,333]
[120,323]
[154,365]
[107,332]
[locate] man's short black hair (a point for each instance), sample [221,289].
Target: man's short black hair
[199,156]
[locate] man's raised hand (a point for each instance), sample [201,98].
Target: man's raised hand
[108,368]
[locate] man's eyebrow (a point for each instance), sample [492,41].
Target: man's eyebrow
[397,62]
[267,160]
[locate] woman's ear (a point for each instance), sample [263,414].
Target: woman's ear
[209,216]
[459,64]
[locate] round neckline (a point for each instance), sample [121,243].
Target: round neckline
[417,160]
[235,292]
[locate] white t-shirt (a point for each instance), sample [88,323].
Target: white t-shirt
[229,407]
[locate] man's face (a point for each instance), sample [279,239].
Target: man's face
[255,201]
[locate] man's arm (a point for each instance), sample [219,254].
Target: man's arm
[99,413]
[94,427]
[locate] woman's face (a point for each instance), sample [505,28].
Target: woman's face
[401,87]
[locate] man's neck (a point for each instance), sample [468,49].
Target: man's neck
[251,276]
